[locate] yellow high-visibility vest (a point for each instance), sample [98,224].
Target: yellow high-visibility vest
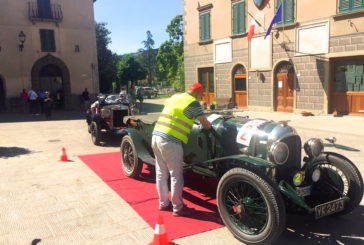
[173,121]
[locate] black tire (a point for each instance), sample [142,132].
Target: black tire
[351,184]
[241,193]
[132,166]
[95,133]
[89,128]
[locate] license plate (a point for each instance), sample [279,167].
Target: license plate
[303,191]
[329,208]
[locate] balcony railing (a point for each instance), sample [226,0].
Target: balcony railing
[52,13]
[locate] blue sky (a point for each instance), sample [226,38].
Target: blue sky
[129,20]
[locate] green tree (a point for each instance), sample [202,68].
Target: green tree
[170,55]
[129,69]
[106,59]
[149,57]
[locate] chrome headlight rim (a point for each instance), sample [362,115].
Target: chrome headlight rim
[314,147]
[273,151]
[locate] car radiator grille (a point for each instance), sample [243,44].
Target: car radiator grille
[117,116]
[294,159]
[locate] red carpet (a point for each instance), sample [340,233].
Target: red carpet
[142,196]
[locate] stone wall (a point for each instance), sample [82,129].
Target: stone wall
[192,63]
[311,73]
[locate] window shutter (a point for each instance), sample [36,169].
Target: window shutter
[43,40]
[201,27]
[242,17]
[344,5]
[235,20]
[47,41]
[288,11]
[358,4]
[278,3]
[51,41]
[207,26]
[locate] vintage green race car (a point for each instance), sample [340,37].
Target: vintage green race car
[260,169]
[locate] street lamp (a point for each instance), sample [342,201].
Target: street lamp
[21,38]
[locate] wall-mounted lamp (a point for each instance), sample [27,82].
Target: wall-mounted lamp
[21,38]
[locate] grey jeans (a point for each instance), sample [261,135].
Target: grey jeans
[169,162]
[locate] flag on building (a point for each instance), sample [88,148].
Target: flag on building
[253,28]
[277,18]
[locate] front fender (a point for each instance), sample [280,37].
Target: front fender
[258,162]
[140,145]
[310,165]
[341,147]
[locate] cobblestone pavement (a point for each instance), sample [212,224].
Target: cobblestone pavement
[50,202]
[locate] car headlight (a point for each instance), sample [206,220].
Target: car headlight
[313,147]
[278,153]
[105,113]
[316,174]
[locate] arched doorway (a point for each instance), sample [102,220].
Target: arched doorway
[2,94]
[239,86]
[284,87]
[51,74]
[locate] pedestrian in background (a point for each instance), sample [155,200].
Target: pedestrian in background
[86,99]
[41,97]
[24,100]
[48,103]
[140,97]
[170,132]
[33,103]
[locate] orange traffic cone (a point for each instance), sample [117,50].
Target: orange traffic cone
[64,157]
[160,235]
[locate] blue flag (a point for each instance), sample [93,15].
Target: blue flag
[277,18]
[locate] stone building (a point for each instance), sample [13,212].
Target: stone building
[313,60]
[48,45]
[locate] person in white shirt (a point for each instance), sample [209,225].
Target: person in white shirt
[33,105]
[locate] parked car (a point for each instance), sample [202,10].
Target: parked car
[150,92]
[260,169]
[110,120]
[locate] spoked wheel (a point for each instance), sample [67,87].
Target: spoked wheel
[95,133]
[130,162]
[339,178]
[250,206]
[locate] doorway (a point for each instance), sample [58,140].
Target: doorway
[50,79]
[2,94]
[239,86]
[347,86]
[51,74]
[44,9]
[206,78]
[284,87]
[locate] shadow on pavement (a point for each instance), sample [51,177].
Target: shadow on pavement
[346,229]
[6,152]
[56,116]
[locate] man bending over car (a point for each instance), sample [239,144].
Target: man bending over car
[170,132]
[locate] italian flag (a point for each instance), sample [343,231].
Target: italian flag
[252,29]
